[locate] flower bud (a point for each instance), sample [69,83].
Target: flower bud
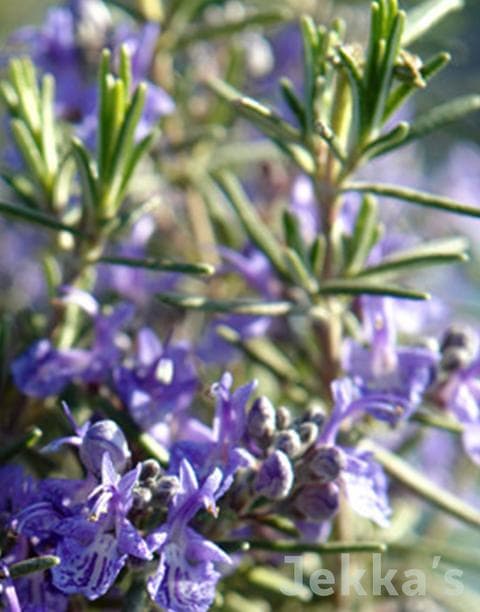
[454,358]
[275,478]
[460,337]
[104,437]
[317,501]
[308,433]
[315,414]
[326,463]
[167,488]
[142,497]
[150,471]
[289,442]
[261,421]
[284,417]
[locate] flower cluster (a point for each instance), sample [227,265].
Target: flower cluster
[96,524]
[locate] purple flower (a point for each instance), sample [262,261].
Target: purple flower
[21,497]
[223,445]
[89,566]
[60,503]
[328,469]
[112,501]
[93,440]
[158,386]
[316,503]
[186,576]
[37,594]
[365,486]
[86,523]
[104,437]
[275,476]
[95,548]
[359,476]
[391,373]
[44,370]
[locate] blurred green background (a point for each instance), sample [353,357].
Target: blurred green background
[13,14]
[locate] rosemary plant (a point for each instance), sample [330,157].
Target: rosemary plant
[195,236]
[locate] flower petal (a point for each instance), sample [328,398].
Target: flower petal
[89,570]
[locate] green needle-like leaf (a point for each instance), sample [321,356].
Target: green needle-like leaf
[138,151]
[436,252]
[29,149]
[263,117]
[29,215]
[441,116]
[297,154]
[310,36]
[328,548]
[425,16]
[227,28]
[293,233]
[275,584]
[257,231]
[49,145]
[356,90]
[243,307]
[105,86]
[123,149]
[125,71]
[23,78]
[415,197]
[354,287]
[419,484]
[87,171]
[431,419]
[316,255]
[363,237]
[397,137]
[127,132]
[160,266]
[31,566]
[289,95]
[299,271]
[392,48]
